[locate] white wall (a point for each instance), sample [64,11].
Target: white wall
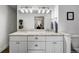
[8,20]
[28,20]
[69,26]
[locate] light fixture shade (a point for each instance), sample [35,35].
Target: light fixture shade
[43,11]
[26,10]
[30,10]
[22,10]
[39,11]
[47,11]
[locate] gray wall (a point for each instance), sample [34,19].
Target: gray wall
[8,20]
[69,26]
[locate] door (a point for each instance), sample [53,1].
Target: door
[58,47]
[54,47]
[14,47]
[22,47]
[18,47]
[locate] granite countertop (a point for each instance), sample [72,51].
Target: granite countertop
[36,33]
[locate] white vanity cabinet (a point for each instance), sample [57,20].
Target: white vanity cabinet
[18,44]
[36,44]
[54,44]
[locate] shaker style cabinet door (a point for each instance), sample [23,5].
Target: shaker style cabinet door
[54,47]
[18,44]
[18,47]
[50,47]
[23,47]
[14,47]
[59,47]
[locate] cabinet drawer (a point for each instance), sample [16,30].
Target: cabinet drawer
[36,38]
[18,38]
[36,45]
[36,51]
[18,47]
[54,47]
[54,38]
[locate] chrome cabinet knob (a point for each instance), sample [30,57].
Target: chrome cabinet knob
[17,42]
[36,45]
[36,37]
[54,42]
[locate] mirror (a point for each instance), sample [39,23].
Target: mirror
[39,22]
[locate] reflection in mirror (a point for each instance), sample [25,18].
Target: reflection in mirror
[39,22]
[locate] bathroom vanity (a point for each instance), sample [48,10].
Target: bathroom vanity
[36,34]
[39,42]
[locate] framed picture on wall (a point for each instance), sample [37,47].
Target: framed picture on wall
[70,15]
[39,22]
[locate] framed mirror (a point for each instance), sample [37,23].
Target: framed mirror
[39,22]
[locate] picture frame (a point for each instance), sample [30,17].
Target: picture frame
[70,15]
[39,22]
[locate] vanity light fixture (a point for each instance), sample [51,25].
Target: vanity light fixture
[44,10]
[29,9]
[26,9]
[40,10]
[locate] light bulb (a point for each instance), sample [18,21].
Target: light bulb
[22,10]
[26,10]
[39,11]
[30,10]
[43,11]
[47,11]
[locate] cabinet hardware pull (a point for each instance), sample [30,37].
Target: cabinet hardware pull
[36,38]
[54,42]
[36,45]
[17,42]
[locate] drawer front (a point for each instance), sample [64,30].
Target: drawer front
[54,38]
[36,45]
[36,38]
[54,47]
[36,51]
[18,38]
[18,47]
